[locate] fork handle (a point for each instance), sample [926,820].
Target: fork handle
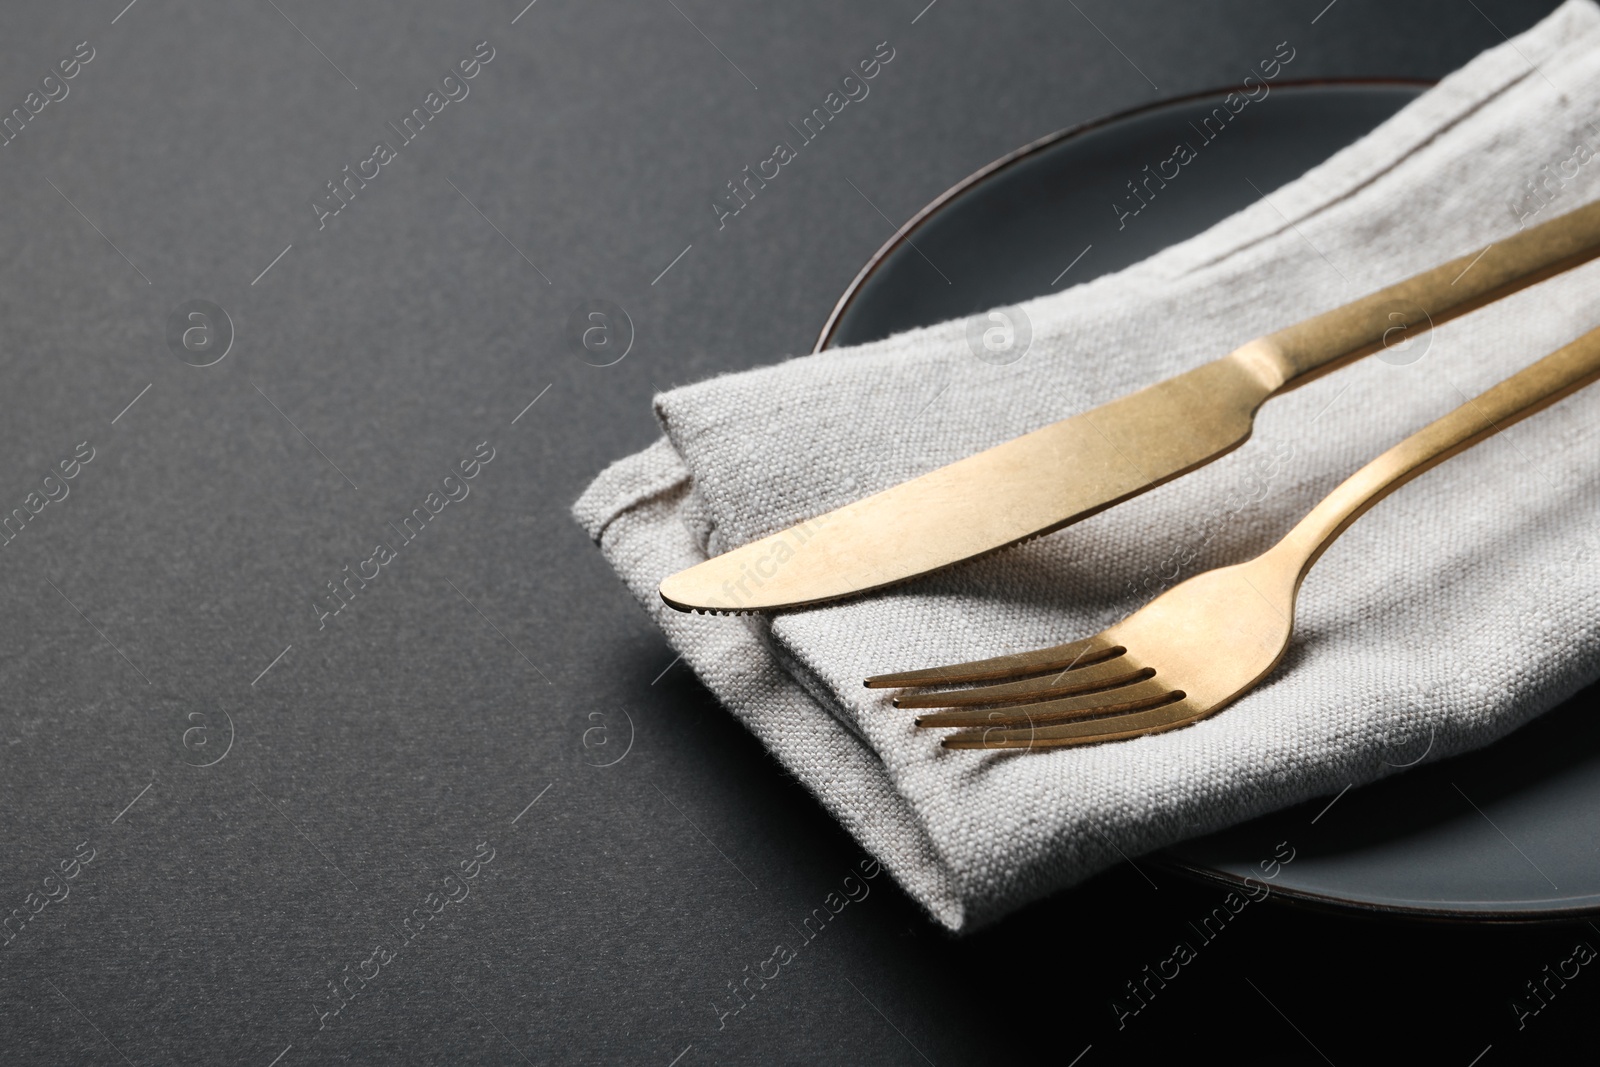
[1525,393]
[1307,350]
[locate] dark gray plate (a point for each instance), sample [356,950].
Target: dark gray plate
[1505,833]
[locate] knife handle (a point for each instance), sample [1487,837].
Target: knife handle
[1392,316]
[1529,391]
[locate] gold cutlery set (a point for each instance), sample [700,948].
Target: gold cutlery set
[1207,641]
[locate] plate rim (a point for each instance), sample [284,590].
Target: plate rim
[1330,902]
[904,232]
[1320,901]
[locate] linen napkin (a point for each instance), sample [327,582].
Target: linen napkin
[1459,609]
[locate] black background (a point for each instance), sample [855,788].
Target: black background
[376,753]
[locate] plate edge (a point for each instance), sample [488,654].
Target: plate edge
[1038,145]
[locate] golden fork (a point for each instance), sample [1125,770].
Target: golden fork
[1204,643]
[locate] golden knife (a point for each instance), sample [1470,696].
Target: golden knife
[1069,470]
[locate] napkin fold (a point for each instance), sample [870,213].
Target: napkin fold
[1459,609]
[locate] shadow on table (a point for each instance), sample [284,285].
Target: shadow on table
[1144,960]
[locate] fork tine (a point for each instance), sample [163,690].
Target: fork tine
[1145,693]
[1108,673]
[1111,728]
[1059,658]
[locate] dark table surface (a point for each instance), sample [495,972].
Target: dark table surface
[216,804]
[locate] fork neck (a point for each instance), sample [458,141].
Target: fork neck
[1525,393]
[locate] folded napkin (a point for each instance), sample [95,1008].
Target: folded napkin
[1462,607]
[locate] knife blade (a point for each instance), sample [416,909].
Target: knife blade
[1068,470]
